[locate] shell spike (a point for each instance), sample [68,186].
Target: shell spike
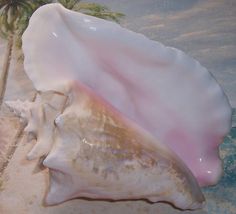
[37,151]
[20,108]
[59,191]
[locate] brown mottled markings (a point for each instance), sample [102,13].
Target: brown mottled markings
[109,141]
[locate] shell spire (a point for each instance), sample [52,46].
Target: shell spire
[39,116]
[20,108]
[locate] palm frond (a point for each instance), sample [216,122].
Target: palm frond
[15,14]
[98,10]
[69,4]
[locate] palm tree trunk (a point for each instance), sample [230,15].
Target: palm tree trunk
[5,70]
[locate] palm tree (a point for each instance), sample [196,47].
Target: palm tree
[92,9]
[15,15]
[12,14]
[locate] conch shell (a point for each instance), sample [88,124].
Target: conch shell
[93,151]
[112,106]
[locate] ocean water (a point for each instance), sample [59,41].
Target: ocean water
[222,197]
